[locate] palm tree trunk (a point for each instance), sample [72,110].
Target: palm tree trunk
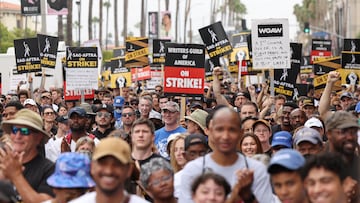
[90,20]
[100,21]
[126,3]
[116,28]
[167,2]
[187,11]
[69,39]
[60,28]
[177,19]
[143,19]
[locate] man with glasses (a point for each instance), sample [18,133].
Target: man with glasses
[22,164]
[128,117]
[171,115]
[342,132]
[159,89]
[104,119]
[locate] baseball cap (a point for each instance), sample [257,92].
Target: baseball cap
[308,102]
[287,158]
[113,146]
[346,94]
[62,119]
[78,110]
[119,101]
[282,138]
[341,120]
[198,117]
[196,105]
[72,170]
[262,121]
[29,101]
[195,139]
[108,107]
[313,122]
[171,106]
[307,134]
[245,94]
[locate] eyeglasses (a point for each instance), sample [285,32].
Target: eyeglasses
[23,131]
[346,131]
[157,182]
[48,113]
[2,100]
[128,114]
[105,114]
[157,90]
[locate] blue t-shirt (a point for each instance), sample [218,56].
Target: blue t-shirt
[161,136]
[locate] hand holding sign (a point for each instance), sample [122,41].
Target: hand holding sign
[217,72]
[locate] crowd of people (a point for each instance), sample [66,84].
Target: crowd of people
[232,145]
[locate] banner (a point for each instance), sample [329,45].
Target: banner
[119,51]
[57,7]
[320,48]
[153,25]
[136,52]
[81,68]
[154,80]
[27,55]
[240,47]
[138,74]
[120,80]
[75,95]
[117,65]
[30,7]
[159,51]
[184,69]
[270,44]
[48,46]
[216,40]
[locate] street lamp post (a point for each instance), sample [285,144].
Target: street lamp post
[79,14]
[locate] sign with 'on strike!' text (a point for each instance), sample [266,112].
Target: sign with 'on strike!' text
[184,69]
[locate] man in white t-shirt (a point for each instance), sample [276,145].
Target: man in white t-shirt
[111,166]
[225,131]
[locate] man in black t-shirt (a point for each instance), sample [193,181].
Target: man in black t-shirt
[22,164]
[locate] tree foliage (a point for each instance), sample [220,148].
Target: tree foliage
[7,37]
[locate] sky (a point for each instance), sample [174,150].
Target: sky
[199,14]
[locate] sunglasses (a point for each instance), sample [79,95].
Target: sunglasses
[105,114]
[49,113]
[23,131]
[128,114]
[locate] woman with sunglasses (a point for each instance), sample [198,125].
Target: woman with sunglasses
[49,115]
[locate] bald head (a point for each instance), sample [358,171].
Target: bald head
[226,112]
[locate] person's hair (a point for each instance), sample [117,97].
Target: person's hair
[108,95]
[84,140]
[120,133]
[155,93]
[144,121]
[248,118]
[16,104]
[23,92]
[159,86]
[163,96]
[155,164]
[218,179]
[250,103]
[148,98]
[62,106]
[128,107]
[173,161]
[291,104]
[280,96]
[300,99]
[327,160]
[259,149]
[57,90]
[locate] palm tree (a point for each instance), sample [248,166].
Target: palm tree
[60,28]
[116,28]
[167,2]
[94,21]
[177,19]
[143,19]
[126,4]
[101,20]
[69,40]
[90,33]
[107,5]
[187,12]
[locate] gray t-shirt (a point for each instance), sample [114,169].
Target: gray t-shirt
[261,186]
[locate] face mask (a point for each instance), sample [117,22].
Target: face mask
[118,111]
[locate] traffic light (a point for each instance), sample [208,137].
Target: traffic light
[306,27]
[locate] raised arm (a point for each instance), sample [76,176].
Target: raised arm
[324,103]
